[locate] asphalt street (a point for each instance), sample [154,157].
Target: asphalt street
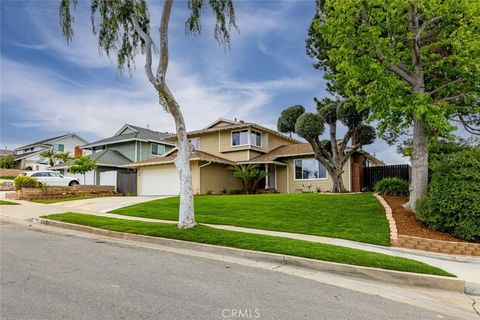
[53,276]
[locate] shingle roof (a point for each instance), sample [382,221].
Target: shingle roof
[107,158]
[298,149]
[170,157]
[44,141]
[284,151]
[141,134]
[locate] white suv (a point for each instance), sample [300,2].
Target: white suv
[52,178]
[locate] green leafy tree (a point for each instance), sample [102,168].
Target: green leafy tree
[414,63]
[124,29]
[82,165]
[7,162]
[64,156]
[331,153]
[50,155]
[250,175]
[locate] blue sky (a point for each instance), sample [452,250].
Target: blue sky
[50,88]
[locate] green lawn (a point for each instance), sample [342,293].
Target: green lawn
[204,234]
[7,203]
[48,201]
[358,217]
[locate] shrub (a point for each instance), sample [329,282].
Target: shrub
[25,182]
[210,192]
[452,203]
[392,187]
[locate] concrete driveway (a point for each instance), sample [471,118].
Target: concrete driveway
[104,204]
[29,210]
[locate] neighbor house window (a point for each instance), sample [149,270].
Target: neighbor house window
[246,137]
[309,169]
[158,149]
[59,147]
[195,142]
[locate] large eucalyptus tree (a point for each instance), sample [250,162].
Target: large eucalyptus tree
[124,30]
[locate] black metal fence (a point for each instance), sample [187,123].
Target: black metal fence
[371,175]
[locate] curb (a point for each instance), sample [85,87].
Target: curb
[389,276]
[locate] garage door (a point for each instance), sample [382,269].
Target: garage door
[156,181]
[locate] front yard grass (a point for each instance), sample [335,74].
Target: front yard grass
[358,217]
[204,234]
[7,203]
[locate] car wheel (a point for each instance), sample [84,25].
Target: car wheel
[73,183]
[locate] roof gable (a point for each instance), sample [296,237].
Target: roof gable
[49,140]
[220,123]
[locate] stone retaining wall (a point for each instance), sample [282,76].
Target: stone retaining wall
[439,246]
[61,192]
[10,172]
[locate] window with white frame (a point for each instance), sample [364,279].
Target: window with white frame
[158,149]
[246,137]
[195,142]
[255,138]
[309,169]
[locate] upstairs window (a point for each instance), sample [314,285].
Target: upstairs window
[255,138]
[58,147]
[246,137]
[158,149]
[195,142]
[309,169]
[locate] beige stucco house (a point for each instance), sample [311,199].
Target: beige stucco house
[289,162]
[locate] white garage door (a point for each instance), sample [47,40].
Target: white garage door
[156,181]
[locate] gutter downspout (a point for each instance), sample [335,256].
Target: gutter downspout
[200,175]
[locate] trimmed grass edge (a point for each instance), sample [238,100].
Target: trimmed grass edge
[248,241]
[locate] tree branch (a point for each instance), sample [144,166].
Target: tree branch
[468,127]
[446,85]
[399,71]
[163,30]
[450,98]
[426,24]
[148,49]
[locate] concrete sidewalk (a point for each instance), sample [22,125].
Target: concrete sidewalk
[466,268]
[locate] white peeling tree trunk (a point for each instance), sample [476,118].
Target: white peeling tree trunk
[186,217]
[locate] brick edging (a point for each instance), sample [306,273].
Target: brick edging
[391,222]
[424,244]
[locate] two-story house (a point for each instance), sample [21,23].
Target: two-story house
[28,156]
[128,145]
[290,163]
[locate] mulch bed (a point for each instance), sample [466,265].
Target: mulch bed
[407,223]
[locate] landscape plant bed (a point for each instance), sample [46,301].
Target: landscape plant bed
[241,240]
[409,225]
[357,217]
[71,198]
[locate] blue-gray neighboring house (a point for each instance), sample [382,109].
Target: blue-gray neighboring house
[129,144]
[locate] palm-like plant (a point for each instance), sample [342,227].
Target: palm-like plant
[49,154]
[64,156]
[250,174]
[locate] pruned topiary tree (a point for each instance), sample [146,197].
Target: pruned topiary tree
[331,153]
